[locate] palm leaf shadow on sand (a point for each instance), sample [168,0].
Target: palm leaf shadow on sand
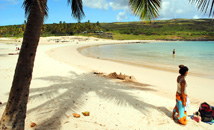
[72,97]
[3,55]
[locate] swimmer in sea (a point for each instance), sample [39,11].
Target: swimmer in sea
[173,52]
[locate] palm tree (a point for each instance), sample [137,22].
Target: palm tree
[15,111]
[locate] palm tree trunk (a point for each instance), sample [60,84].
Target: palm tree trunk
[15,111]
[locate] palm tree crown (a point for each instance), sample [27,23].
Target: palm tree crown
[76,7]
[146,9]
[204,5]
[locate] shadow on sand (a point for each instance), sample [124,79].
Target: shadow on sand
[67,94]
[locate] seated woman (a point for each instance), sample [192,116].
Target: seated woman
[181,96]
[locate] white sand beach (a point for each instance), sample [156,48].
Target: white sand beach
[63,83]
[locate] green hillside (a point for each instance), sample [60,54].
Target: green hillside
[176,29]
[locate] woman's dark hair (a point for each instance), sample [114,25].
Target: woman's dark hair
[183,69]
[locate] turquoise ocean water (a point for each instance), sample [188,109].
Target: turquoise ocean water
[197,55]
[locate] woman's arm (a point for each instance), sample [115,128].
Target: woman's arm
[183,84]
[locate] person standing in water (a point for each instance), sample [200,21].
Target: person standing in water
[173,52]
[181,96]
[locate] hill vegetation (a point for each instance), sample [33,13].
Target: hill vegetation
[176,29]
[55,29]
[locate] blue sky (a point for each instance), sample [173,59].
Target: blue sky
[12,13]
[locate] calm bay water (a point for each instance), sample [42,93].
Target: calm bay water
[197,55]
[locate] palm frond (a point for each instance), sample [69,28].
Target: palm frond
[27,4]
[204,5]
[77,9]
[146,9]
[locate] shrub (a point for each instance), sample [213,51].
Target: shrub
[148,33]
[203,33]
[136,33]
[125,32]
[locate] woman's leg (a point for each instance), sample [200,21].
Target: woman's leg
[181,114]
[174,111]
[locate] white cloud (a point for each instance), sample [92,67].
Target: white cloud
[98,4]
[165,6]
[121,15]
[122,5]
[179,11]
[196,17]
[119,4]
[114,6]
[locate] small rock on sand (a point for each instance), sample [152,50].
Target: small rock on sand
[32,124]
[76,115]
[86,113]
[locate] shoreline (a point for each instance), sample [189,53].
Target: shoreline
[137,64]
[107,66]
